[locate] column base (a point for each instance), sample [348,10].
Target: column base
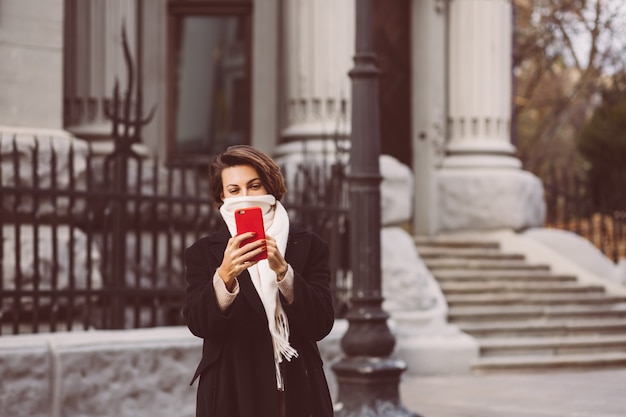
[488,198]
[485,161]
[481,153]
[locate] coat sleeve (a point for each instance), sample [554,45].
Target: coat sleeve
[201,309]
[311,314]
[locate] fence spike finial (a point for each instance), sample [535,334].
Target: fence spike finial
[127,122]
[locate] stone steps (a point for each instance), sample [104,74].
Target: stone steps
[447,275]
[454,243]
[482,264]
[454,288]
[551,345]
[523,316]
[545,328]
[514,298]
[467,253]
[460,315]
[587,361]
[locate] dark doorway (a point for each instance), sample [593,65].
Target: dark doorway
[392,43]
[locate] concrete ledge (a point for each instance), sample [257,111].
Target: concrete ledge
[451,352]
[146,372]
[25,368]
[433,347]
[99,373]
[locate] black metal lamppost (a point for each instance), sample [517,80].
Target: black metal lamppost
[368,377]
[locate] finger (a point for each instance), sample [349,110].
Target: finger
[252,253]
[239,239]
[248,264]
[245,235]
[255,247]
[271,244]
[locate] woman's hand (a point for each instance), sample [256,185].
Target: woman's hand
[276,261]
[237,259]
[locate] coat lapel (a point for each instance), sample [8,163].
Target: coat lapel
[249,292]
[297,248]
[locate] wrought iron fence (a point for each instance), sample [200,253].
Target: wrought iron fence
[318,200]
[570,206]
[97,242]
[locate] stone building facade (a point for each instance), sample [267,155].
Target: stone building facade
[275,74]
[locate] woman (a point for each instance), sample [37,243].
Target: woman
[260,320]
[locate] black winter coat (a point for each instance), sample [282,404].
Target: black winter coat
[237,377]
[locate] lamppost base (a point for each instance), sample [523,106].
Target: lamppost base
[369,387]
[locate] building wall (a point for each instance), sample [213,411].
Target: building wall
[31,70]
[428,108]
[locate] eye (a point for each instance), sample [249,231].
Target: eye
[233,190]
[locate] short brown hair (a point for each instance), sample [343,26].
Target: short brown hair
[269,172]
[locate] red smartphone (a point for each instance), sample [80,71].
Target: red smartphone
[250,219]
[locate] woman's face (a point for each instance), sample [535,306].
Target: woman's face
[241,181]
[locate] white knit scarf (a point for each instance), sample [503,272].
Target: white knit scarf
[276,223]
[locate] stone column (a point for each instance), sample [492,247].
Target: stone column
[96,61]
[480,183]
[317,55]
[480,84]
[31,47]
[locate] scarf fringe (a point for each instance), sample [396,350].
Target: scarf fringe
[282,348]
[280,385]
[281,339]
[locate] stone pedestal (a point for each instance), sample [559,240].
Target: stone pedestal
[484,199]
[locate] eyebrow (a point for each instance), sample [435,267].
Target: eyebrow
[248,183]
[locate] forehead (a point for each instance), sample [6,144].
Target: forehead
[238,174]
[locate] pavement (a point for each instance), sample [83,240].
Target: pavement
[556,394]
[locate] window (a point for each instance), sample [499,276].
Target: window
[209,78]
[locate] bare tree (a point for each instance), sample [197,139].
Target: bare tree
[564,51]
